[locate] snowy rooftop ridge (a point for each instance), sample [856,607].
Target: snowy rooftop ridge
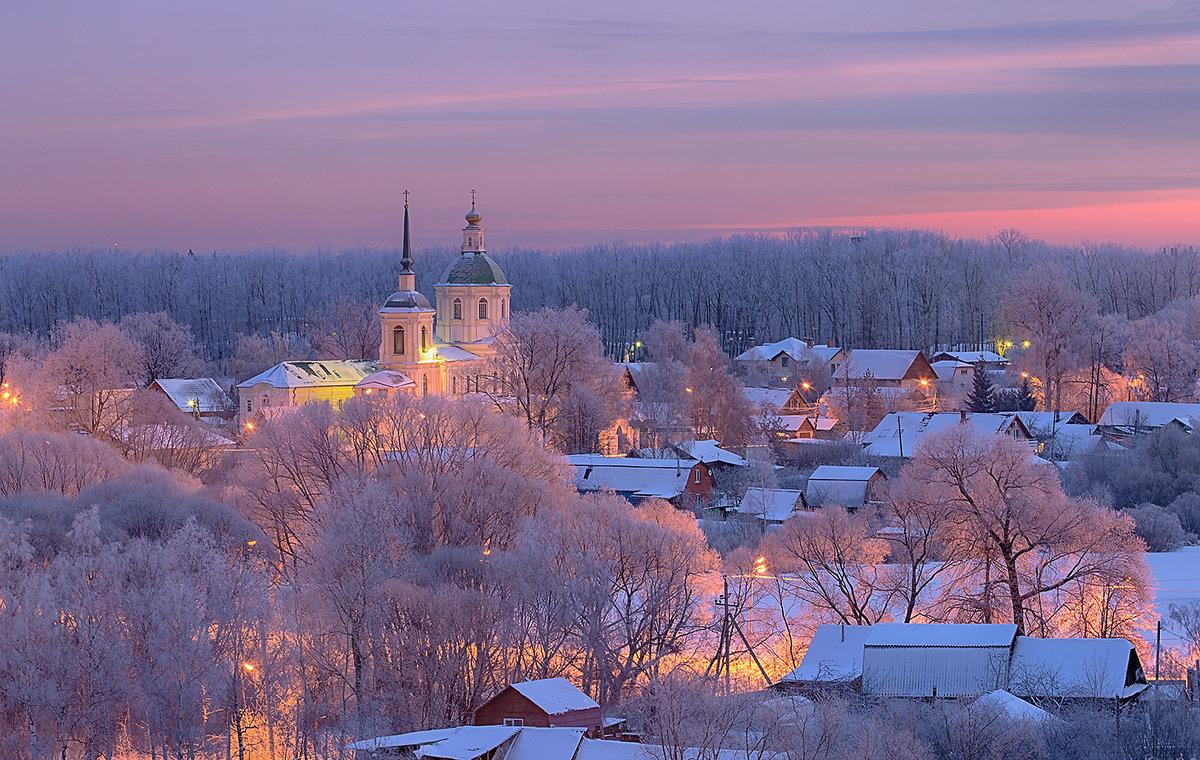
[555,696]
[941,635]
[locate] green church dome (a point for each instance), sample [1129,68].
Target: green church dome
[474,269]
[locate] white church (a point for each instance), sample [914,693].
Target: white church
[423,350]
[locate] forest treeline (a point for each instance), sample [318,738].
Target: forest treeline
[890,288]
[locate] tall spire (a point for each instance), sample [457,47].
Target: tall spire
[406,256]
[473,233]
[408,280]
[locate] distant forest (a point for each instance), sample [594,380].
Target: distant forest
[893,289]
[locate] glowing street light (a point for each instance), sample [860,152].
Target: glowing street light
[249,668]
[760,566]
[1025,344]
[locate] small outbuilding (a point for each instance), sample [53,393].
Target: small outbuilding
[547,702]
[849,487]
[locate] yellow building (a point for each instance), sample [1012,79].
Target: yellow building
[422,349]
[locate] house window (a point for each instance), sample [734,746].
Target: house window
[424,340]
[456,309]
[483,308]
[697,476]
[514,721]
[783,361]
[398,341]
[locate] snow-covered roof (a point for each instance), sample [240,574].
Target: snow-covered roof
[776,397]
[1047,421]
[448,353]
[709,452]
[883,364]
[941,635]
[468,742]
[1012,706]
[973,357]
[410,739]
[834,654]
[841,472]
[1150,414]
[945,370]
[1068,441]
[843,486]
[556,743]
[908,428]
[555,696]
[313,374]
[164,437]
[189,393]
[771,504]
[661,478]
[1063,668]
[796,349]
[386,380]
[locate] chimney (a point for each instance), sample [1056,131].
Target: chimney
[829,343]
[809,342]
[962,415]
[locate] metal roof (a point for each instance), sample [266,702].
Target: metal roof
[473,268]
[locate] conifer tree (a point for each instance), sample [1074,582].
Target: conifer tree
[1026,401]
[983,395]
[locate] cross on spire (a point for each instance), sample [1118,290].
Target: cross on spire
[405,199]
[472,200]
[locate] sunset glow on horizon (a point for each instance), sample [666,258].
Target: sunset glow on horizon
[228,126]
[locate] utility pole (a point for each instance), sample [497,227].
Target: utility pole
[1157,648]
[900,435]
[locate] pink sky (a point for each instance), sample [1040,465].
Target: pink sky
[297,123]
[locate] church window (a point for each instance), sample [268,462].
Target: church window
[503,308]
[398,341]
[424,340]
[456,310]
[454,385]
[249,405]
[483,308]
[425,386]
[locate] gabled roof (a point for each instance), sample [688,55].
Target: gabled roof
[834,654]
[776,397]
[448,353]
[386,380]
[1058,668]
[796,349]
[884,365]
[189,393]
[945,370]
[906,429]
[555,696]
[941,635]
[1047,421]
[771,504]
[466,744]
[1148,414]
[642,478]
[313,374]
[709,452]
[843,486]
[972,357]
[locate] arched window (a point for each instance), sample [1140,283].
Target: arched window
[483,308]
[425,386]
[424,339]
[503,308]
[454,385]
[456,310]
[398,341]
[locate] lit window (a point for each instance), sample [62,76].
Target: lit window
[398,341]
[456,310]
[483,308]
[424,340]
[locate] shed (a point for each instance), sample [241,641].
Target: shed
[546,702]
[637,479]
[849,487]
[936,659]
[1076,669]
[201,397]
[834,658]
[771,505]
